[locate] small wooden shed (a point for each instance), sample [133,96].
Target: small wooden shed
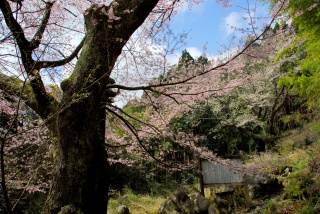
[217,173]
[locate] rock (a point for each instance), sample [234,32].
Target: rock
[168,207]
[69,209]
[224,202]
[201,203]
[123,209]
[178,202]
[213,209]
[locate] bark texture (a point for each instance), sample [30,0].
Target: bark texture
[81,181]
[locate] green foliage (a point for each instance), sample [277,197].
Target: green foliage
[171,151]
[69,209]
[302,183]
[276,27]
[252,68]
[295,162]
[199,120]
[203,60]
[145,175]
[180,124]
[133,112]
[136,111]
[297,180]
[303,76]
[292,120]
[55,91]
[227,126]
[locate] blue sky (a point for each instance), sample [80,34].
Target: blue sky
[209,24]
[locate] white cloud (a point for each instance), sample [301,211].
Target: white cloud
[173,59]
[194,51]
[231,21]
[183,7]
[187,6]
[242,20]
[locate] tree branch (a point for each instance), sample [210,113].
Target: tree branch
[136,135]
[50,64]
[41,102]
[13,25]
[46,104]
[36,40]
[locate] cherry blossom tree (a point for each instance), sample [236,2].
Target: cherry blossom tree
[78,120]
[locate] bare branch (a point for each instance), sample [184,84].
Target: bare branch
[36,40]
[13,25]
[50,64]
[134,132]
[136,135]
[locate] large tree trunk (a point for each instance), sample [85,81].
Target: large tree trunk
[81,181]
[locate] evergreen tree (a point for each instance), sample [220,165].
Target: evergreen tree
[185,59]
[203,60]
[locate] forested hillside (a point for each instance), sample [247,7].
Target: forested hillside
[68,148]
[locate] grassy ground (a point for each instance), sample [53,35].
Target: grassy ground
[146,203]
[137,204]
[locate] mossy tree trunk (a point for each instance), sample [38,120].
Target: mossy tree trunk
[81,181]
